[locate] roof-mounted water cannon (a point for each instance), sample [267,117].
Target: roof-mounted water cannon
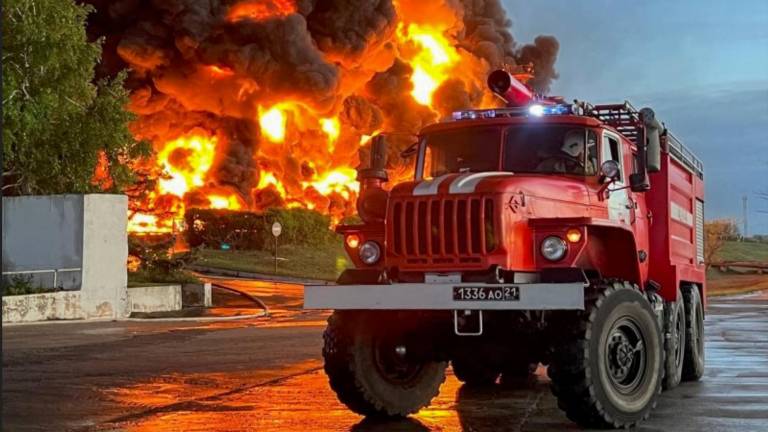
[372,201]
[513,92]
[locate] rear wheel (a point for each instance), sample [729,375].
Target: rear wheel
[374,369]
[693,364]
[674,341]
[607,370]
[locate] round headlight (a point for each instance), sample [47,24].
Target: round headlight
[370,252]
[554,248]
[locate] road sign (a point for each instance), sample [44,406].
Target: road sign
[277,229]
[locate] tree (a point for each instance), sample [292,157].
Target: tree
[716,233]
[58,123]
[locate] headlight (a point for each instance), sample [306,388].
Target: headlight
[554,248]
[370,252]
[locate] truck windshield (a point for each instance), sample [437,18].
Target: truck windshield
[474,149]
[550,149]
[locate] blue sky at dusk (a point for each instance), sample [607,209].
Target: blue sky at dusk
[702,65]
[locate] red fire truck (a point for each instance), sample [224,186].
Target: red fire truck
[568,235]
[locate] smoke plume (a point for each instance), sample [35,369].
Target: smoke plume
[291,90]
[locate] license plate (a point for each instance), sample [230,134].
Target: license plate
[486,293]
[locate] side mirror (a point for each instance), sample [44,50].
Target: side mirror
[609,171]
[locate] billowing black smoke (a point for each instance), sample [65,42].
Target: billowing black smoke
[212,64]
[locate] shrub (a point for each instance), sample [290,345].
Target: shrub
[212,228]
[20,285]
[301,226]
[156,264]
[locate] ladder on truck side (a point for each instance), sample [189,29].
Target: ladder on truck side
[626,120]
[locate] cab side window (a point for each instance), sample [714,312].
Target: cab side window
[612,151]
[591,163]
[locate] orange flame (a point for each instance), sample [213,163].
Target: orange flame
[259,10]
[431,55]
[142,223]
[272,122]
[220,71]
[186,160]
[303,158]
[230,202]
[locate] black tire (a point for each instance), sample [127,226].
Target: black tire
[361,380]
[474,373]
[693,363]
[674,344]
[607,371]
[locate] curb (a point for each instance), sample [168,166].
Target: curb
[201,319]
[170,319]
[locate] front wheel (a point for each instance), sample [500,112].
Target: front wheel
[607,371]
[374,369]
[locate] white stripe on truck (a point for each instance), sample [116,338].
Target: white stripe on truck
[429,187]
[468,182]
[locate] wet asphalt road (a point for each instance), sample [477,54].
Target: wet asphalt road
[266,375]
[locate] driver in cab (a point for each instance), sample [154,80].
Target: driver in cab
[570,158]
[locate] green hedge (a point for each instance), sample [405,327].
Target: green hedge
[252,231]
[300,226]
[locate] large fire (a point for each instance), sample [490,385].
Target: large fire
[254,104]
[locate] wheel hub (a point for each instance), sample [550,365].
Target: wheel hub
[401,351]
[625,356]
[394,362]
[679,331]
[621,355]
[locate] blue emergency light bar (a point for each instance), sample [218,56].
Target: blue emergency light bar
[533,110]
[538,110]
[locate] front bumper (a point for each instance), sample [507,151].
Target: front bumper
[439,296]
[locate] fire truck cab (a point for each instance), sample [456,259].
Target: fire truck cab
[568,235]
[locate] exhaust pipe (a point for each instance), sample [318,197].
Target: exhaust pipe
[372,201]
[653,131]
[509,89]
[648,151]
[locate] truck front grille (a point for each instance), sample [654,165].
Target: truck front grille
[441,230]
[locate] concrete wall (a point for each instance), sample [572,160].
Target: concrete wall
[89,230]
[161,298]
[62,305]
[197,294]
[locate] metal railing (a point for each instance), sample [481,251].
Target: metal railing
[54,271]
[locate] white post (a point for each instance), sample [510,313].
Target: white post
[105,254]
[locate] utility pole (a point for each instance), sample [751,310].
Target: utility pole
[746,222]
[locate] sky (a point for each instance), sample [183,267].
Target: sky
[701,65]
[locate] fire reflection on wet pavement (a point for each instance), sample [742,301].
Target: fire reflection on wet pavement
[265,374]
[305,402]
[732,396]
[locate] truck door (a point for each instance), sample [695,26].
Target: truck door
[618,202]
